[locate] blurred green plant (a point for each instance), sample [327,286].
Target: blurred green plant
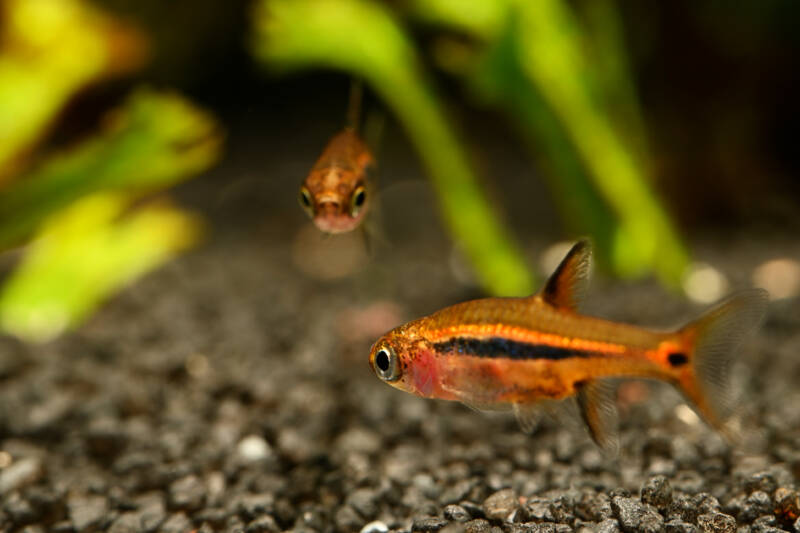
[563,78]
[92,230]
[362,38]
[84,253]
[49,50]
[154,141]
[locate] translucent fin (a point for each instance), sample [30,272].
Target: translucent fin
[528,416]
[567,285]
[713,340]
[354,104]
[486,406]
[596,400]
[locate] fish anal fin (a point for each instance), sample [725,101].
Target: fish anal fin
[478,405]
[567,285]
[596,401]
[528,416]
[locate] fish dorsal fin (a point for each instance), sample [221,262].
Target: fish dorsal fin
[596,400]
[567,285]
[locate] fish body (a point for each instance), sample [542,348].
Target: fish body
[517,353]
[335,193]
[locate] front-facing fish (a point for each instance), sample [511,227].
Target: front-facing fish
[335,194]
[520,353]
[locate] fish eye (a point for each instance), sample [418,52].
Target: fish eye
[305,200]
[386,364]
[357,200]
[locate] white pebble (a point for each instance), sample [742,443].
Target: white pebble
[704,284]
[780,277]
[375,527]
[253,448]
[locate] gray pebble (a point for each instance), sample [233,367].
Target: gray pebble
[500,505]
[375,527]
[19,473]
[474,510]
[87,512]
[251,506]
[126,523]
[347,519]
[458,491]
[679,526]
[263,524]
[715,522]
[364,502]
[187,493]
[177,523]
[479,525]
[609,525]
[539,510]
[456,513]
[657,492]
[761,481]
[19,510]
[755,505]
[634,516]
[428,523]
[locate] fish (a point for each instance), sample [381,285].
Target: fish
[336,193]
[530,354]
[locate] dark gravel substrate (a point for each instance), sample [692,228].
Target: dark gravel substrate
[221,394]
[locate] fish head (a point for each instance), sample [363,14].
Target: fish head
[335,199]
[405,360]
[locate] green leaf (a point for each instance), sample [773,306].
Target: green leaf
[84,254]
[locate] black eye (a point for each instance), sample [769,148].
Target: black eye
[386,364]
[305,200]
[357,200]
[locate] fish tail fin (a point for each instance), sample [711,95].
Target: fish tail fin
[711,342]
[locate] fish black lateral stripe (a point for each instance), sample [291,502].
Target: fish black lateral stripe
[509,349]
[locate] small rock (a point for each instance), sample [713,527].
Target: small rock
[19,473]
[538,510]
[679,526]
[479,525]
[456,513]
[375,527]
[796,525]
[253,448]
[458,491]
[757,504]
[500,505]
[347,519]
[152,513]
[187,493]
[87,512]
[761,481]
[263,524]
[787,504]
[126,523]
[634,516]
[609,525]
[19,510]
[715,522]
[364,502]
[474,510]
[657,492]
[177,523]
[428,523]
[251,506]
[214,516]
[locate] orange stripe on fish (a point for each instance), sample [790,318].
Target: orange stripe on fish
[519,353]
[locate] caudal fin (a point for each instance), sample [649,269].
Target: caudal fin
[713,340]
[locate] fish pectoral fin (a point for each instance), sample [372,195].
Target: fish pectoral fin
[596,400]
[528,416]
[567,285]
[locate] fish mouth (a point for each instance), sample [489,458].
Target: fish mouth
[332,223]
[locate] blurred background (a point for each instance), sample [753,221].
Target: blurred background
[132,131]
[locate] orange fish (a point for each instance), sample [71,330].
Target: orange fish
[521,353]
[336,192]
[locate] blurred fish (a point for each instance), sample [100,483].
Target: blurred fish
[336,192]
[524,353]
